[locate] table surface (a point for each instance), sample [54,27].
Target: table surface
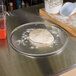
[15,64]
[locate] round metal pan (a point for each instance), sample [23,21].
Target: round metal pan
[19,40]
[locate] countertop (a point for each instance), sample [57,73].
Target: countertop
[13,63]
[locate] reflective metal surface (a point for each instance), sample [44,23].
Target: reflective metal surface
[14,64]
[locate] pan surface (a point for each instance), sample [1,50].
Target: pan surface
[19,40]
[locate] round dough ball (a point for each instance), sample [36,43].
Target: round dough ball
[41,36]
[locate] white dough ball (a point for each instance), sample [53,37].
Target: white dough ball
[41,36]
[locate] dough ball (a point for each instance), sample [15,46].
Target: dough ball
[41,37]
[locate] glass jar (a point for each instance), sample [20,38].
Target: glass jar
[53,6]
[2,22]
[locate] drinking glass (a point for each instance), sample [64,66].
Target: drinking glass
[53,6]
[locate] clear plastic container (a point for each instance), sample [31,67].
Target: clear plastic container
[2,22]
[53,6]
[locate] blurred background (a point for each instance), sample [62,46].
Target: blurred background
[15,4]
